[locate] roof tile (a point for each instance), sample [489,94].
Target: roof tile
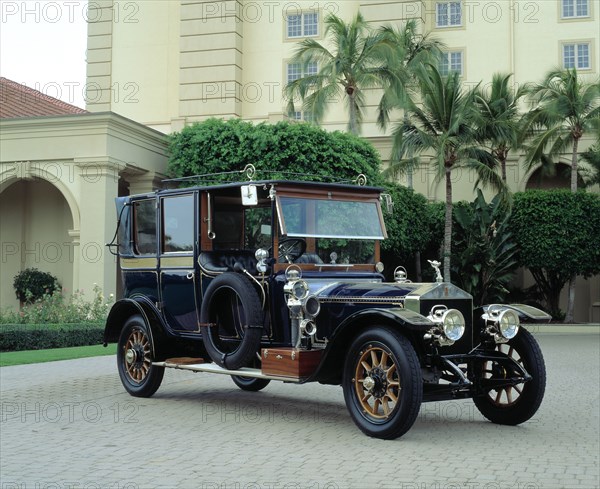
[17,100]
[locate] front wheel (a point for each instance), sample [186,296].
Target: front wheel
[514,404]
[383,387]
[134,359]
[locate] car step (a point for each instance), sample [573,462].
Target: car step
[213,368]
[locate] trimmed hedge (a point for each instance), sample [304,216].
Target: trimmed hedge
[18,337]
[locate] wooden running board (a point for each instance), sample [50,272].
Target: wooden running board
[213,368]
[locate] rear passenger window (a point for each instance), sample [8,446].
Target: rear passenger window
[178,224]
[144,222]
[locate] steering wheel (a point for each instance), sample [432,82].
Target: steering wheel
[290,249]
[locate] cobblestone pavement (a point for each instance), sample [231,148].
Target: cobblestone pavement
[71,425]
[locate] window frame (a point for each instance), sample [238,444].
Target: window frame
[135,234]
[575,15]
[163,225]
[303,25]
[576,45]
[448,4]
[303,115]
[447,54]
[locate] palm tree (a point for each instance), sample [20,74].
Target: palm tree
[566,109]
[442,124]
[500,118]
[353,65]
[408,51]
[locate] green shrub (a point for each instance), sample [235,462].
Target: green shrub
[288,151]
[557,233]
[55,308]
[32,284]
[18,337]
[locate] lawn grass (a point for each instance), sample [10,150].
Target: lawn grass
[54,354]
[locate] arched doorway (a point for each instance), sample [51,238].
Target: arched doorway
[35,220]
[559,178]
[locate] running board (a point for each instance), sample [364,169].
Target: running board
[213,368]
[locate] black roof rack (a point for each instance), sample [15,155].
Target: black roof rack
[249,172]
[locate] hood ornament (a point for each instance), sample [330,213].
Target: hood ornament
[436,266]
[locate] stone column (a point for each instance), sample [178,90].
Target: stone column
[99,181]
[211,50]
[141,184]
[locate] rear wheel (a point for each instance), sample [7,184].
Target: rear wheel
[514,404]
[250,384]
[134,359]
[382,383]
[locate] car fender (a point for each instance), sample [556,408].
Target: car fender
[124,309]
[338,344]
[527,314]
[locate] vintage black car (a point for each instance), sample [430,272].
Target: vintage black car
[281,280]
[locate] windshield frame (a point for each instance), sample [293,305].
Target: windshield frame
[337,196]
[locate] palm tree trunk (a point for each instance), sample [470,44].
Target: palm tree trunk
[353,121]
[448,226]
[574,166]
[571,293]
[569,317]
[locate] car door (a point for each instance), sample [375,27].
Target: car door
[178,278]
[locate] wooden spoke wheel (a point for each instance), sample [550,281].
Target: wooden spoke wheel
[516,403]
[382,382]
[376,382]
[134,359]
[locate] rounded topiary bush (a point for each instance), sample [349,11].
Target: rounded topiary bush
[32,284]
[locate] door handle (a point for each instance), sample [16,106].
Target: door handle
[190,275]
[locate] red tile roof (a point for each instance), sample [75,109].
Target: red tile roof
[18,100]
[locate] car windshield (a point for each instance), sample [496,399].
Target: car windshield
[326,218]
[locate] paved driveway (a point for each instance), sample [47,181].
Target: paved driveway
[71,425]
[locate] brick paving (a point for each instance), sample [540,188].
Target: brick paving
[71,425]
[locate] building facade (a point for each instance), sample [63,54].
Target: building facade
[60,171]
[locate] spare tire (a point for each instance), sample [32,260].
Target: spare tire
[231,319]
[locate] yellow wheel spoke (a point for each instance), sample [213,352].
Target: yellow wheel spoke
[390,371]
[384,359]
[386,406]
[498,396]
[374,360]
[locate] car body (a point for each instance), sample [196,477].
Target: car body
[205,291]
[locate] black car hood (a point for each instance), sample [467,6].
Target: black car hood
[364,292]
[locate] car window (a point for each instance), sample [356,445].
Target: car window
[144,226]
[257,228]
[329,218]
[178,224]
[228,229]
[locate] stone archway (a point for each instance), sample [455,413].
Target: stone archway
[561,178]
[36,229]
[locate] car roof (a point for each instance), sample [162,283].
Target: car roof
[287,183]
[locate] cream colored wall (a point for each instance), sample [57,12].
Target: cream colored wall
[166,63]
[71,166]
[34,223]
[133,61]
